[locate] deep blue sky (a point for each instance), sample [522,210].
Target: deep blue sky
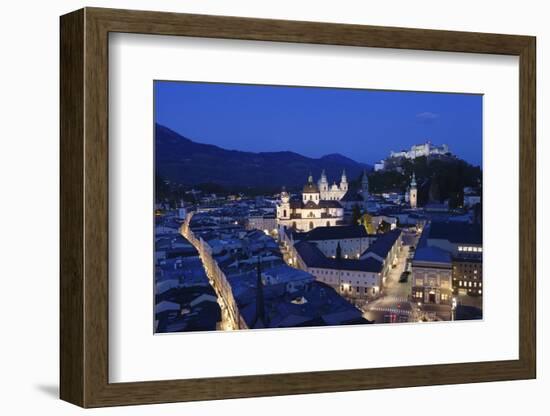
[361,124]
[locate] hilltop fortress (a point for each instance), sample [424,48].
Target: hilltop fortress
[426,149]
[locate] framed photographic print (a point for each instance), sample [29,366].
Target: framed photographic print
[256,207]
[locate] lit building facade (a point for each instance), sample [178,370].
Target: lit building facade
[331,255]
[356,280]
[332,192]
[266,223]
[419,150]
[353,240]
[468,276]
[312,210]
[432,276]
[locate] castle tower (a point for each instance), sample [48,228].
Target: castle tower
[413,192]
[344,182]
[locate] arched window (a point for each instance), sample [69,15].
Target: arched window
[311,225]
[284,212]
[328,223]
[294,224]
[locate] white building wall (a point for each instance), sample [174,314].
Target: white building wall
[261,223]
[379,166]
[432,279]
[419,150]
[303,224]
[333,194]
[351,247]
[350,284]
[354,285]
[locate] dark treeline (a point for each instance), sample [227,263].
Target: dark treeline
[437,179]
[173,193]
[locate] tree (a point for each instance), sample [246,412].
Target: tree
[384,227]
[366,221]
[356,214]
[167,192]
[449,175]
[387,180]
[456,199]
[434,193]
[478,213]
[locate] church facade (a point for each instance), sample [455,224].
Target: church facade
[319,206]
[332,192]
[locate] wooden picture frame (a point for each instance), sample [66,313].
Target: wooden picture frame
[84,207]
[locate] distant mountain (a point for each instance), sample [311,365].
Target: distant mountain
[184,161]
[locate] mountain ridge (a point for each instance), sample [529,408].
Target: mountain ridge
[184,161]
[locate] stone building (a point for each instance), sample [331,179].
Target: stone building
[432,276]
[311,210]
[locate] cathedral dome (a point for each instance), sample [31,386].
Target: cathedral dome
[310,187]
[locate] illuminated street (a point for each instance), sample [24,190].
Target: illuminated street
[227,322]
[394,304]
[300,229]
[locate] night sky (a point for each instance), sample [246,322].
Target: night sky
[361,124]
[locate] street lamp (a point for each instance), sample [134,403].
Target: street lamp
[453,309]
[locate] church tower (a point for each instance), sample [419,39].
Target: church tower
[323,185]
[344,182]
[364,186]
[283,210]
[412,192]
[261,319]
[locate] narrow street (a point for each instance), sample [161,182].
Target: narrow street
[227,323]
[394,305]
